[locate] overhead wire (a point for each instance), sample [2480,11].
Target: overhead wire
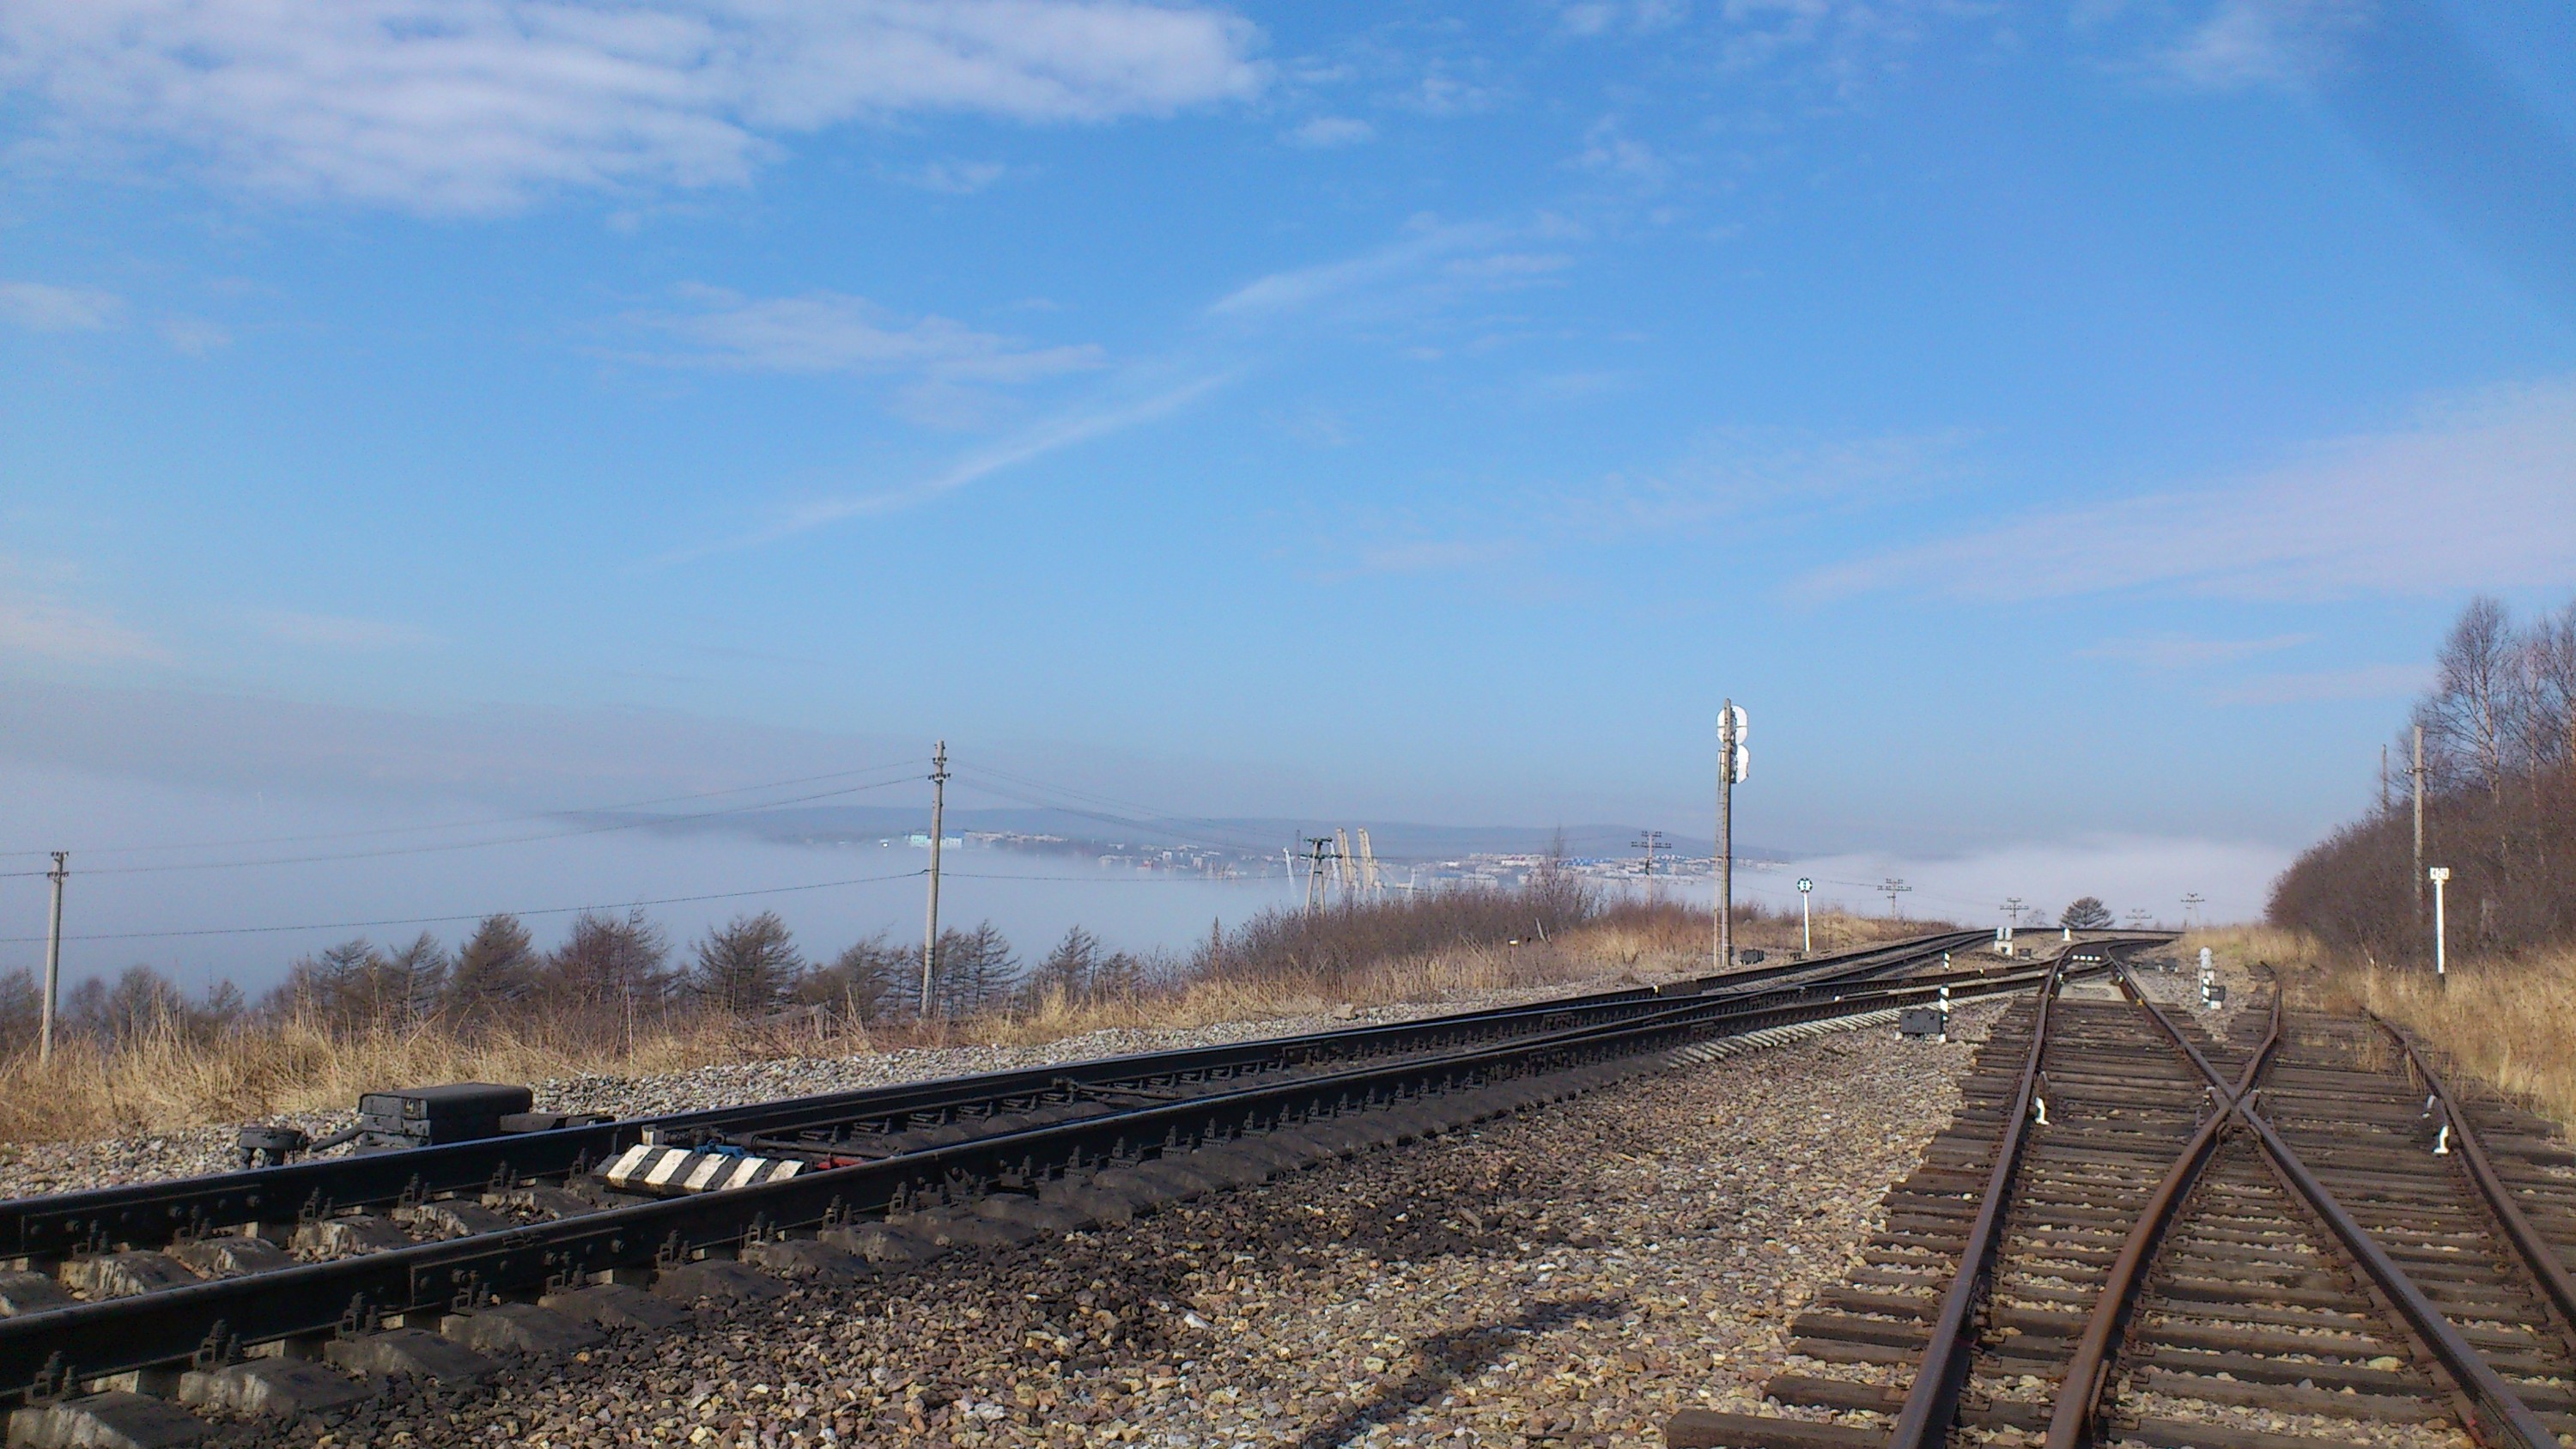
[483,821]
[479,915]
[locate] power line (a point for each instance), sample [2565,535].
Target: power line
[465,824]
[611,827]
[820,885]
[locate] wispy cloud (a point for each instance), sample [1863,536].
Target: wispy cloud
[1764,472]
[2248,43]
[2370,681]
[334,631]
[954,178]
[34,622]
[479,105]
[2185,651]
[1299,288]
[1326,131]
[2479,493]
[43,307]
[1055,436]
[836,332]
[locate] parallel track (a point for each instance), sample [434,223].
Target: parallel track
[1024,1133]
[2241,1244]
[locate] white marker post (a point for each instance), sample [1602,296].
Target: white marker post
[2440,876]
[1806,923]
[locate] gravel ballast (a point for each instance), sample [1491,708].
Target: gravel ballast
[1570,1275]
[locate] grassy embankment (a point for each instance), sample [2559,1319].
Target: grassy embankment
[168,1078]
[2509,1020]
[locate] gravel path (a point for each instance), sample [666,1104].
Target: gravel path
[28,1170]
[1569,1276]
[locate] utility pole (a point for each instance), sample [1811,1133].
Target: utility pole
[1730,740]
[53,960]
[1315,871]
[1806,923]
[1650,841]
[938,823]
[2012,905]
[1892,887]
[2418,773]
[2191,910]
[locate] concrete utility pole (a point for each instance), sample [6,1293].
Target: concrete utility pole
[1726,747]
[938,824]
[2418,773]
[1649,841]
[2191,910]
[1315,871]
[1892,887]
[53,961]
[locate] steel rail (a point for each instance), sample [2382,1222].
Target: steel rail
[2494,1407]
[2555,1282]
[41,1352]
[2074,1420]
[155,1213]
[1932,1403]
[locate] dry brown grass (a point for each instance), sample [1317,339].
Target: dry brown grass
[260,1068]
[169,1078]
[2509,1021]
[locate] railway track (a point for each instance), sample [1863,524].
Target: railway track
[222,1290]
[2135,1231]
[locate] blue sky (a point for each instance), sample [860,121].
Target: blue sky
[2065,427]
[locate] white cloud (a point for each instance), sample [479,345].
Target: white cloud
[58,632]
[194,336]
[1762,472]
[1436,555]
[834,332]
[956,178]
[1054,436]
[476,105]
[2247,43]
[1607,151]
[333,631]
[42,307]
[2183,651]
[2370,681]
[1325,131]
[2478,493]
[1300,288]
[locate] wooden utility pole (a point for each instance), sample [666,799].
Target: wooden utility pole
[53,961]
[2418,773]
[1726,834]
[938,823]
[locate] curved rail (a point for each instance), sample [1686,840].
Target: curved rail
[2072,1423]
[2555,1282]
[2504,1417]
[1932,1404]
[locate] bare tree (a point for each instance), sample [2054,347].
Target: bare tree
[2466,718]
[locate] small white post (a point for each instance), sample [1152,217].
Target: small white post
[1806,924]
[1945,1010]
[2440,875]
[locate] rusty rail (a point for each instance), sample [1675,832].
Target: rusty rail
[2555,1282]
[2499,1416]
[2072,1422]
[1932,1404]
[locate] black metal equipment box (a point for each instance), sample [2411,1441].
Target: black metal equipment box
[1921,1021]
[429,1116]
